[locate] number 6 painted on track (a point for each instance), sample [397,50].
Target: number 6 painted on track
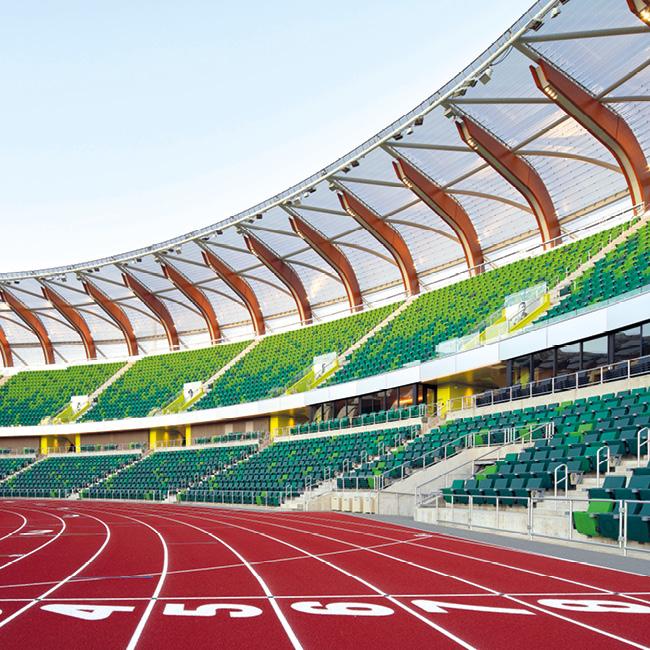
[341,609]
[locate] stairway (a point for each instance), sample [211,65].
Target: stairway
[590,263]
[92,398]
[345,356]
[137,458]
[207,385]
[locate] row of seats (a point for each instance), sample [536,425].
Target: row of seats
[379,417]
[624,269]
[162,472]
[288,467]
[603,515]
[155,381]
[586,432]
[282,359]
[10,465]
[29,397]
[68,473]
[458,310]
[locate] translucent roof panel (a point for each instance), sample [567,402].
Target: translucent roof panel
[600,44]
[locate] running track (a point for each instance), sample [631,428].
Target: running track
[127,575]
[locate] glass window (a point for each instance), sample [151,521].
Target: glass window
[406,395]
[627,344]
[353,407]
[646,339]
[521,370]
[392,398]
[595,353]
[543,365]
[567,359]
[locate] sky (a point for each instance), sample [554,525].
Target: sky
[126,123]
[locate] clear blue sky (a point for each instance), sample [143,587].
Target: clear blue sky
[124,123]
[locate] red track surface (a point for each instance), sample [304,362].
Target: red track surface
[118,575]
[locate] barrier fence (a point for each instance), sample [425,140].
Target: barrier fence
[552,385]
[626,527]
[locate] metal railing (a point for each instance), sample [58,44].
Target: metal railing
[581,379]
[541,517]
[428,490]
[367,420]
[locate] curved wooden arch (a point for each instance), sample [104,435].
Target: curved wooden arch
[5,350]
[239,286]
[641,9]
[609,128]
[73,318]
[32,321]
[447,208]
[115,313]
[331,253]
[518,172]
[284,273]
[387,236]
[195,296]
[156,306]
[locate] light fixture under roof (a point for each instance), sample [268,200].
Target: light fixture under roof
[486,75]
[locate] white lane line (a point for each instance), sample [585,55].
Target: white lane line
[38,548]
[276,608]
[428,569]
[62,582]
[13,532]
[135,637]
[364,582]
[414,542]
[351,519]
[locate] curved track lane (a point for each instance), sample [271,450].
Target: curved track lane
[136,575]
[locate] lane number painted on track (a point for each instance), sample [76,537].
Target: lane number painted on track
[35,532]
[87,612]
[342,609]
[314,607]
[234,611]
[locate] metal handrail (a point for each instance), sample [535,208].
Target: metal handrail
[640,444]
[608,457]
[548,426]
[564,479]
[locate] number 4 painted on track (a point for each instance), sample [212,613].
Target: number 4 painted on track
[87,612]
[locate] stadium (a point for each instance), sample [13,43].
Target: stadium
[403,403]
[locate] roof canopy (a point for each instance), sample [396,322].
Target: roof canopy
[551,122]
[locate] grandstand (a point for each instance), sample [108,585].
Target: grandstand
[448,327]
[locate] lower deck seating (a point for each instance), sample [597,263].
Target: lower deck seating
[13,464]
[65,473]
[604,514]
[163,472]
[285,468]
[586,432]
